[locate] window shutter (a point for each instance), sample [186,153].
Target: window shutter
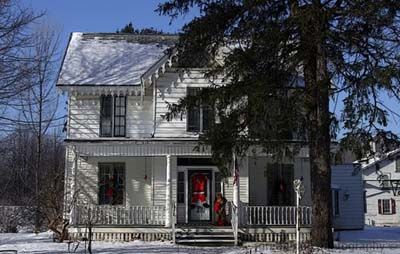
[393,206]
[380,208]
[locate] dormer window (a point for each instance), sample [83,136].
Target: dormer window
[112,116]
[199,117]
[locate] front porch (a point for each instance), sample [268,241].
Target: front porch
[160,191]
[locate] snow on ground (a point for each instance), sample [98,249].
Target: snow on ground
[370,240]
[42,243]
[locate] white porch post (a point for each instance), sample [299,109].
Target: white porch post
[236,197]
[168,194]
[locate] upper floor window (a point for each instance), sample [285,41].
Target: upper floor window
[199,117]
[113,116]
[398,164]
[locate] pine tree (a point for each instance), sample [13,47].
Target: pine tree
[129,29]
[283,62]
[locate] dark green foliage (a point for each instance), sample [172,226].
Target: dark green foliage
[283,62]
[129,29]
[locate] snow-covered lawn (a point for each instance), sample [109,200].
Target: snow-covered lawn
[373,240]
[32,243]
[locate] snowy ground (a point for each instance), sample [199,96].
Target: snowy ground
[371,241]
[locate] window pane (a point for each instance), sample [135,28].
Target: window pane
[181,188]
[386,206]
[208,117]
[398,165]
[336,200]
[280,184]
[119,116]
[105,116]
[193,114]
[111,184]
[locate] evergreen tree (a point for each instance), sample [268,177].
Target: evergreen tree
[129,29]
[283,62]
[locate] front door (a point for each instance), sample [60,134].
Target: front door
[199,195]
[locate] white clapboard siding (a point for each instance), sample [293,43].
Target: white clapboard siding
[84,117]
[351,209]
[171,87]
[374,192]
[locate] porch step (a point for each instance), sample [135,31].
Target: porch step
[205,237]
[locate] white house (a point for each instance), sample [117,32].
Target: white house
[381,176]
[137,174]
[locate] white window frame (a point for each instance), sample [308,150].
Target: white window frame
[113,101]
[201,109]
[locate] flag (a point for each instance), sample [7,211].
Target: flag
[236,170]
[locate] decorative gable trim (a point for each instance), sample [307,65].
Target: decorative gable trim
[96,90]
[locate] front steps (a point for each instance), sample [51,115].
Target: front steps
[205,236]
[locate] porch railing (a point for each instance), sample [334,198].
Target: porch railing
[118,215]
[274,215]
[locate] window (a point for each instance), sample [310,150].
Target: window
[181,188]
[365,201]
[112,116]
[119,116]
[199,117]
[111,183]
[386,206]
[398,164]
[336,203]
[280,184]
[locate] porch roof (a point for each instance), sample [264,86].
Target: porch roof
[152,147]
[139,148]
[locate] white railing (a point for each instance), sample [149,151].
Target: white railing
[118,215]
[274,215]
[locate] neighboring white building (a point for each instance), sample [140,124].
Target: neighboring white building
[139,175]
[381,176]
[347,198]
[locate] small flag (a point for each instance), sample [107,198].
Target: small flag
[236,170]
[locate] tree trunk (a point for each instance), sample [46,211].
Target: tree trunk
[317,109]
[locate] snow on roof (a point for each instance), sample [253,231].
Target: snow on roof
[372,161]
[111,59]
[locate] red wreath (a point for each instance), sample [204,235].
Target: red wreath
[199,183]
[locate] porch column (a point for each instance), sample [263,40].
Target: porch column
[236,197]
[168,194]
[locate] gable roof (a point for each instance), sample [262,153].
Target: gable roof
[110,58]
[374,160]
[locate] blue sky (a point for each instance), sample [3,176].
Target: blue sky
[102,15]
[107,16]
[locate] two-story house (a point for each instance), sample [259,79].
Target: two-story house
[138,175]
[381,176]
